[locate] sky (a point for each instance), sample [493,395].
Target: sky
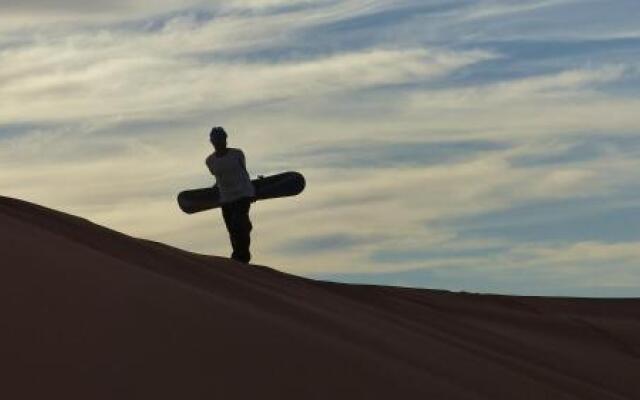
[468,145]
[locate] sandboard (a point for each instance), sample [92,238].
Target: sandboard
[280,185]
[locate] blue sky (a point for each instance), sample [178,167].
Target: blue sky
[468,145]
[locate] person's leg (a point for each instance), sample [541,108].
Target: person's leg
[236,215]
[228,216]
[243,234]
[241,231]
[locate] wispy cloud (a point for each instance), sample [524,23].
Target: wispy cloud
[483,10]
[94,78]
[583,269]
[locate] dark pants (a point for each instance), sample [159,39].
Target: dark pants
[236,217]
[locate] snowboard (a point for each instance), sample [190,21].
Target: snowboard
[274,186]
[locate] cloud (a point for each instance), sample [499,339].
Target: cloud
[419,201]
[580,269]
[43,6]
[530,107]
[64,16]
[559,222]
[557,86]
[321,244]
[543,282]
[487,9]
[385,154]
[587,253]
[92,77]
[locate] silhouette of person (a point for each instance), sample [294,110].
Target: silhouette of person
[236,192]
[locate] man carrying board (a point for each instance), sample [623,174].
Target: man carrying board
[236,192]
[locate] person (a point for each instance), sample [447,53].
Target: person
[228,166]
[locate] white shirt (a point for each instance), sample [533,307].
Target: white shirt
[231,175]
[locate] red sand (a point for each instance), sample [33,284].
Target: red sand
[89,313]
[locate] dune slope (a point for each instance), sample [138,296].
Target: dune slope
[88,312]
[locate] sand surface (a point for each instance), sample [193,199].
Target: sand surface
[90,313]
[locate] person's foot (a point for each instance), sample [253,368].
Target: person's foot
[242,258]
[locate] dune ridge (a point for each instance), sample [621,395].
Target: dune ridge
[89,312]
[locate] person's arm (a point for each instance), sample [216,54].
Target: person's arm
[243,161]
[208,163]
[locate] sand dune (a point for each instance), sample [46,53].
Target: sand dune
[90,313]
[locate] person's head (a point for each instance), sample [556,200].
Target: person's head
[218,138]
